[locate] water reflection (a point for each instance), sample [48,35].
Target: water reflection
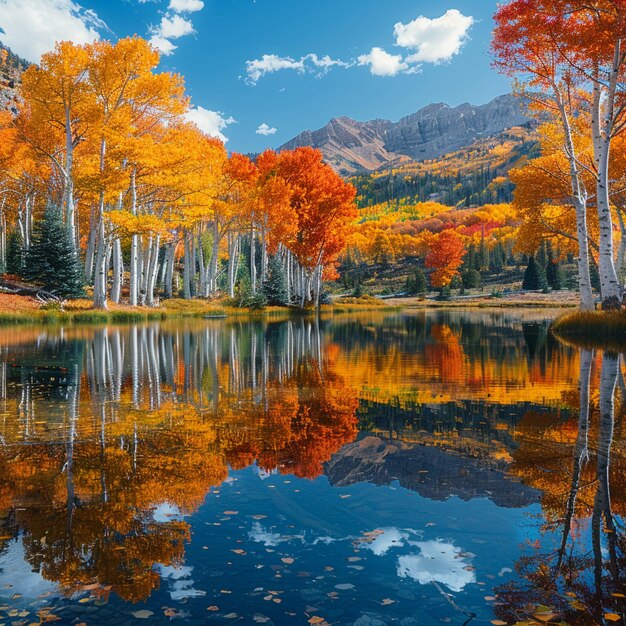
[576,568]
[372,467]
[122,432]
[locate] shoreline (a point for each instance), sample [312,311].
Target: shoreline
[604,330]
[23,310]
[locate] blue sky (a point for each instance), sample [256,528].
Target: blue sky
[339,57]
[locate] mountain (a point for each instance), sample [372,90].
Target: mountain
[470,176]
[11,68]
[430,471]
[436,130]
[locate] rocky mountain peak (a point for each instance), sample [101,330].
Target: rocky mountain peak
[437,129]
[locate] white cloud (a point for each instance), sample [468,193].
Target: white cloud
[437,561]
[164,46]
[424,40]
[381,63]
[174,26]
[434,40]
[186,6]
[32,27]
[264,129]
[270,63]
[211,123]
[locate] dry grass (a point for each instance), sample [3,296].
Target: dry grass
[597,329]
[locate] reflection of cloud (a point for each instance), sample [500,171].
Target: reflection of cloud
[261,473]
[166,512]
[389,538]
[180,582]
[269,539]
[14,567]
[438,561]
[266,537]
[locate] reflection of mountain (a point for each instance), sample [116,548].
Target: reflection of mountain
[431,472]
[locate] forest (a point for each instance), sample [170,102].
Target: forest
[109,192]
[106,185]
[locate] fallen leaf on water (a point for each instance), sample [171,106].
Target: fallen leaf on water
[489,598]
[231,512]
[288,560]
[277,600]
[316,620]
[498,622]
[231,616]
[354,559]
[386,601]
[612,617]
[239,551]
[143,614]
[213,607]
[618,595]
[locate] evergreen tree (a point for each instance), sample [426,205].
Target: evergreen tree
[15,254]
[51,259]
[471,279]
[275,283]
[594,275]
[554,272]
[417,284]
[482,258]
[534,276]
[498,258]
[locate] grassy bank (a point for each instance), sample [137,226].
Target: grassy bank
[597,329]
[22,310]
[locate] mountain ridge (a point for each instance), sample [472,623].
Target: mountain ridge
[354,147]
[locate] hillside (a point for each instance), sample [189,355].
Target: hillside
[353,147]
[471,176]
[11,68]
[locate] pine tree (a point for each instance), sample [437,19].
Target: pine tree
[471,279]
[417,284]
[51,259]
[554,271]
[15,254]
[534,276]
[275,283]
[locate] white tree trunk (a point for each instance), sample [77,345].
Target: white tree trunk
[187,268]
[579,197]
[100,276]
[601,135]
[153,270]
[118,271]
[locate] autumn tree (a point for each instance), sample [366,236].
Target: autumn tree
[525,49]
[445,256]
[571,53]
[325,209]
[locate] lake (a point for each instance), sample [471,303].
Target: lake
[381,468]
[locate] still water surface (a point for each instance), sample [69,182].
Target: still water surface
[419,468]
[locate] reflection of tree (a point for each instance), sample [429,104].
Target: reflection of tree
[146,423]
[581,578]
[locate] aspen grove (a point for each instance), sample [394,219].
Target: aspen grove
[153,206]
